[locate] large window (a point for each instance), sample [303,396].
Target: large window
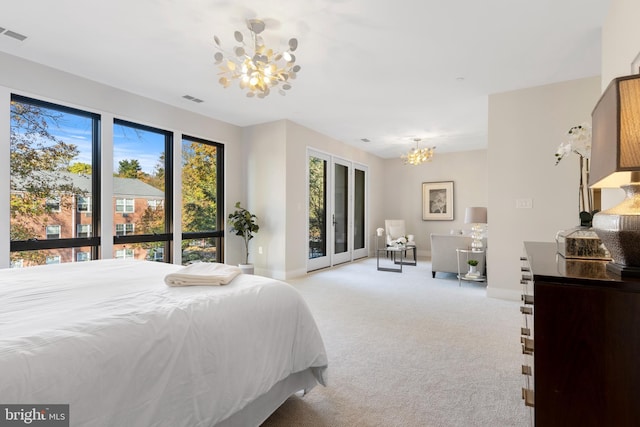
[54,160]
[55,189]
[124,229]
[142,158]
[125,254]
[83,204]
[53,232]
[125,205]
[202,200]
[83,230]
[53,204]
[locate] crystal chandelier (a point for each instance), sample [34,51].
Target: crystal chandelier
[417,156]
[257,67]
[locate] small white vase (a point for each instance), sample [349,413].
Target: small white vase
[246,268]
[473,270]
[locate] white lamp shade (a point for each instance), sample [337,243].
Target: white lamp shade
[475,215]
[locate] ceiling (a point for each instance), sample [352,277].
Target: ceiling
[386,71]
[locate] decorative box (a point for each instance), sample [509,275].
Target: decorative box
[581,243]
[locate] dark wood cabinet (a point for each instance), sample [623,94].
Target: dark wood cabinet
[586,330]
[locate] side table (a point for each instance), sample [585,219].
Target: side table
[468,254]
[393,251]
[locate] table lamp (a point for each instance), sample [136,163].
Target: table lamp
[477,216]
[615,162]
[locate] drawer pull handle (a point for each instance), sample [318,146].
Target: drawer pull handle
[527,395]
[526,269]
[526,310]
[527,345]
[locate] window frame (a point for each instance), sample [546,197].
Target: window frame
[64,243]
[87,204]
[124,227]
[217,235]
[50,258]
[167,236]
[81,253]
[88,232]
[126,251]
[125,205]
[51,202]
[47,233]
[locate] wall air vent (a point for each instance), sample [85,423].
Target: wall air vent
[15,35]
[192,98]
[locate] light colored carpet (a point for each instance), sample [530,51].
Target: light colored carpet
[408,350]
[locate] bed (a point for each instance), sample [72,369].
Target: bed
[110,339]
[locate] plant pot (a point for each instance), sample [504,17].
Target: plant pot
[246,268]
[473,271]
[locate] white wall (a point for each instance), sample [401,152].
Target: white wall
[620,39]
[299,138]
[276,170]
[34,80]
[525,129]
[266,175]
[403,192]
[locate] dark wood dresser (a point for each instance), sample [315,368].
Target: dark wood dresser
[581,340]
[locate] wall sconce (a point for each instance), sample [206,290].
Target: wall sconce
[615,162]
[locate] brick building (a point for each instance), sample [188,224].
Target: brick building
[70,216]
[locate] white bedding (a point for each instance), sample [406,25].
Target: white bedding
[112,340]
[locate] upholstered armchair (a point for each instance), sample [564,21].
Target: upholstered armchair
[394,229]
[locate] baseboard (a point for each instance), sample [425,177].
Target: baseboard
[501,293]
[273,274]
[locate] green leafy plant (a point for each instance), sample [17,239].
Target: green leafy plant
[473,262]
[244,224]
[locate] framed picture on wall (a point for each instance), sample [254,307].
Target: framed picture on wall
[437,201]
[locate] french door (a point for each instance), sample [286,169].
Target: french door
[336,197]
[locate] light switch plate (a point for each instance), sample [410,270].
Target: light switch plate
[524,203]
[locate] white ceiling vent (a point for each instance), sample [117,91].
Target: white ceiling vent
[15,35]
[192,98]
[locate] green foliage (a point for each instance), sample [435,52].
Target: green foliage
[129,168]
[317,198]
[473,262]
[244,224]
[199,183]
[80,168]
[38,163]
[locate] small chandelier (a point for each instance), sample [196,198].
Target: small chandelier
[257,67]
[417,156]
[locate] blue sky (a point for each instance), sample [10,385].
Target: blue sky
[128,144]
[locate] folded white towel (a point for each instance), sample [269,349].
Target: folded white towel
[203,273]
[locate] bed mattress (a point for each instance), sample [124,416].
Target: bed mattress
[110,339]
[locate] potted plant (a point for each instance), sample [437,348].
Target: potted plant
[244,224]
[473,270]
